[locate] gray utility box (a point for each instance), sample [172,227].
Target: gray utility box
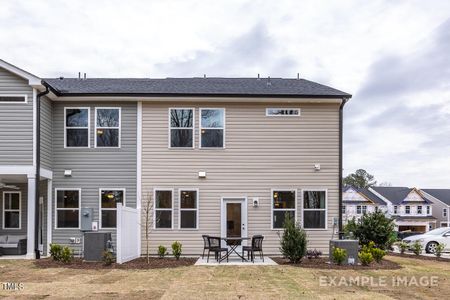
[351,246]
[86,218]
[95,243]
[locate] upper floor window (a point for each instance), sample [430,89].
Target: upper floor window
[68,208]
[419,209]
[364,209]
[181,132]
[407,209]
[358,209]
[188,202]
[444,212]
[343,209]
[428,209]
[282,112]
[107,127]
[212,127]
[395,209]
[76,127]
[283,205]
[12,99]
[163,212]
[314,209]
[108,206]
[11,210]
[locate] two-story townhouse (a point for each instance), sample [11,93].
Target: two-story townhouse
[409,208]
[441,205]
[218,156]
[358,201]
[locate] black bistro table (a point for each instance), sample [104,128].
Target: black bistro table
[233,243]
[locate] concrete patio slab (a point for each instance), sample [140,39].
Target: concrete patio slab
[235,261]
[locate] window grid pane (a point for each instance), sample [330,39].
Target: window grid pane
[212,123]
[181,128]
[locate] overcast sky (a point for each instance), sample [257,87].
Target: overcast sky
[393,56]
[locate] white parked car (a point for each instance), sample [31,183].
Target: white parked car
[430,239]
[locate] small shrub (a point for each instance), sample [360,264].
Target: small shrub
[375,227]
[66,255]
[378,254]
[417,248]
[339,255]
[403,247]
[365,258]
[162,251]
[293,242]
[313,253]
[55,251]
[176,249]
[439,249]
[107,258]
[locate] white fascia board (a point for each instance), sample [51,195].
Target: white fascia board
[33,80]
[381,196]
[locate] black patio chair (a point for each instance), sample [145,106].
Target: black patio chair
[214,246]
[256,246]
[205,244]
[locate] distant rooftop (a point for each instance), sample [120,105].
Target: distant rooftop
[197,86]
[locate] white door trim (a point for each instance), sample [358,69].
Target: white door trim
[244,216]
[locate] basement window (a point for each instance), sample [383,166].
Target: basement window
[12,99]
[282,112]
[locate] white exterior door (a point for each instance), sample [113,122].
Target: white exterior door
[234,218]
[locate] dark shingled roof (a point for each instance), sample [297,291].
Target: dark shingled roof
[367,193]
[213,86]
[395,194]
[441,194]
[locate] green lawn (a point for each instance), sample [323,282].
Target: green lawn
[224,282]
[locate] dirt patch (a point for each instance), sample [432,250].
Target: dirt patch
[323,263]
[140,263]
[421,257]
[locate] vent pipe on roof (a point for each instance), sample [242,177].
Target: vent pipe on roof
[84,75]
[258,77]
[61,78]
[298,76]
[204,75]
[79,75]
[268,81]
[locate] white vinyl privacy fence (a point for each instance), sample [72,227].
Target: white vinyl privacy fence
[127,233]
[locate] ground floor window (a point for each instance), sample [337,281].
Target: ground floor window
[314,209]
[188,201]
[11,210]
[283,205]
[108,206]
[68,208]
[163,210]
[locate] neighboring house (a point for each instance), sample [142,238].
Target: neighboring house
[358,201]
[441,205]
[218,156]
[411,210]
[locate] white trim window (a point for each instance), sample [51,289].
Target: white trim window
[395,209]
[282,112]
[419,209]
[407,210]
[76,127]
[188,208]
[283,205]
[163,211]
[428,209]
[358,209]
[314,209]
[364,209]
[13,99]
[108,206]
[107,127]
[12,204]
[444,212]
[68,203]
[344,209]
[181,127]
[212,127]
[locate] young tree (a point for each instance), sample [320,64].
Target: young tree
[360,179]
[148,215]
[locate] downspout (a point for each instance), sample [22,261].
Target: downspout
[341,135]
[38,171]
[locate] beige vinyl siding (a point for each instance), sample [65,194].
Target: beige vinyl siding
[16,122]
[261,153]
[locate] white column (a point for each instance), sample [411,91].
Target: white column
[31,207]
[49,214]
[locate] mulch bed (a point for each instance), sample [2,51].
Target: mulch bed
[421,257]
[323,263]
[139,263]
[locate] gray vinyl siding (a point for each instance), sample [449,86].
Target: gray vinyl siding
[46,133]
[16,122]
[262,153]
[23,189]
[93,168]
